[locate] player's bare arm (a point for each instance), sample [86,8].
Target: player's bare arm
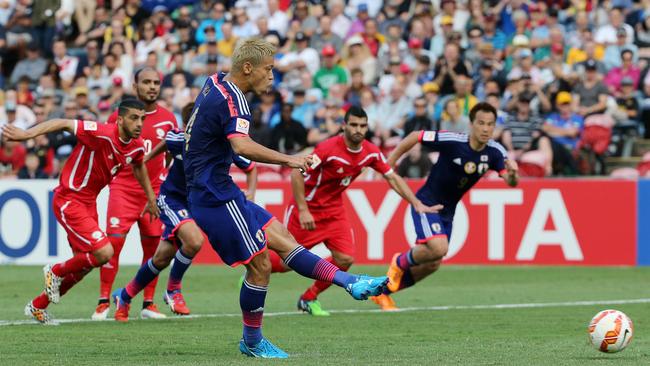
[404,146]
[399,185]
[245,146]
[512,173]
[140,173]
[251,183]
[298,188]
[16,134]
[159,149]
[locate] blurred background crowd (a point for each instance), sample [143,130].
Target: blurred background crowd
[569,77]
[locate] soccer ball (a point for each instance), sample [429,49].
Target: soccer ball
[610,331]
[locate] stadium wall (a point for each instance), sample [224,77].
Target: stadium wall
[549,221]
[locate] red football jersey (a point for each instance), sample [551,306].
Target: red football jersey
[97,157]
[156,125]
[335,167]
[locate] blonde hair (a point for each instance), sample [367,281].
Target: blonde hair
[253,51]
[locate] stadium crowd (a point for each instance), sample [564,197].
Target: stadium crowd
[569,78]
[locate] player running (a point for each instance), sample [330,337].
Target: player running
[126,202]
[463,161]
[240,230]
[101,152]
[180,229]
[316,213]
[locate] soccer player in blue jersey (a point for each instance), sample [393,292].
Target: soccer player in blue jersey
[182,238]
[462,162]
[239,230]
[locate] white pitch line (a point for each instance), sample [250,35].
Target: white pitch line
[355,311]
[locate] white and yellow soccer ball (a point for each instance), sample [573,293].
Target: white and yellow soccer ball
[610,331]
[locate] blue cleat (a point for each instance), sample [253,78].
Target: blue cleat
[366,286]
[264,349]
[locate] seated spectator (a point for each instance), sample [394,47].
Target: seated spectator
[12,158]
[259,132]
[415,165]
[627,101]
[393,111]
[325,36]
[612,56]
[304,109]
[31,170]
[590,94]
[452,119]
[330,73]
[356,55]
[288,136]
[626,70]
[420,120]
[564,126]
[32,67]
[464,98]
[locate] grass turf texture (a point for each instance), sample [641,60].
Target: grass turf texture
[533,336]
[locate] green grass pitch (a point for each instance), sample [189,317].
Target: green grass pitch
[451,318]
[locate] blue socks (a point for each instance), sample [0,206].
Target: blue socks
[145,275]
[182,262]
[251,301]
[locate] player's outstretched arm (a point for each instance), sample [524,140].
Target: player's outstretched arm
[17,134]
[243,145]
[298,187]
[399,185]
[140,173]
[512,173]
[404,146]
[159,149]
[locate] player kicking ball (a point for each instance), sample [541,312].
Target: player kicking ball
[182,238]
[101,152]
[316,213]
[126,202]
[463,161]
[239,230]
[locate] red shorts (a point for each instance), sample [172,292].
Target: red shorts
[332,228]
[79,219]
[125,209]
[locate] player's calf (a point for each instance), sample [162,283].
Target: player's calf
[434,250]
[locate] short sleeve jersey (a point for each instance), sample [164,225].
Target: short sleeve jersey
[459,167]
[97,158]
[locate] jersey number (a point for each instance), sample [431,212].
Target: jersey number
[188,128]
[148,145]
[463,182]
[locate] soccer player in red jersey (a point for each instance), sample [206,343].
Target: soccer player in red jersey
[126,203]
[316,213]
[101,152]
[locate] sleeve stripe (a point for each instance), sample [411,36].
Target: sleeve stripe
[234,135]
[420,136]
[242,103]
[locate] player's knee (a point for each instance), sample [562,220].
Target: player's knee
[437,248]
[103,254]
[194,243]
[343,260]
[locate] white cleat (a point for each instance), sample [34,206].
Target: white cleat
[152,312]
[101,311]
[40,315]
[52,284]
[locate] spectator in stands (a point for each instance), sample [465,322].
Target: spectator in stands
[357,86]
[303,56]
[452,118]
[278,20]
[393,47]
[67,65]
[493,35]
[626,70]
[522,133]
[243,27]
[356,55]
[33,66]
[415,164]
[212,23]
[420,119]
[327,122]
[31,169]
[330,73]
[564,126]
[325,36]
[393,111]
[590,95]
[149,42]
[448,68]
[464,98]
[627,101]
[288,136]
[612,57]
[340,22]
[12,158]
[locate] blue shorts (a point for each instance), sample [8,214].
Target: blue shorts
[235,229]
[430,226]
[173,214]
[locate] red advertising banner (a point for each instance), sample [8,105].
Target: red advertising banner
[572,222]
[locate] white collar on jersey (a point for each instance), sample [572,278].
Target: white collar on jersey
[355,151]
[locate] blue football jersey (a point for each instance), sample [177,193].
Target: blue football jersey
[220,112]
[175,183]
[459,167]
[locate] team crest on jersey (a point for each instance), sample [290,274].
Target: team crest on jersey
[429,136]
[242,125]
[160,133]
[115,222]
[90,126]
[470,167]
[129,159]
[115,169]
[97,235]
[315,161]
[436,228]
[482,168]
[260,236]
[183,213]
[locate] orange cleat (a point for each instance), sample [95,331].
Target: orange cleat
[394,274]
[121,308]
[176,303]
[385,302]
